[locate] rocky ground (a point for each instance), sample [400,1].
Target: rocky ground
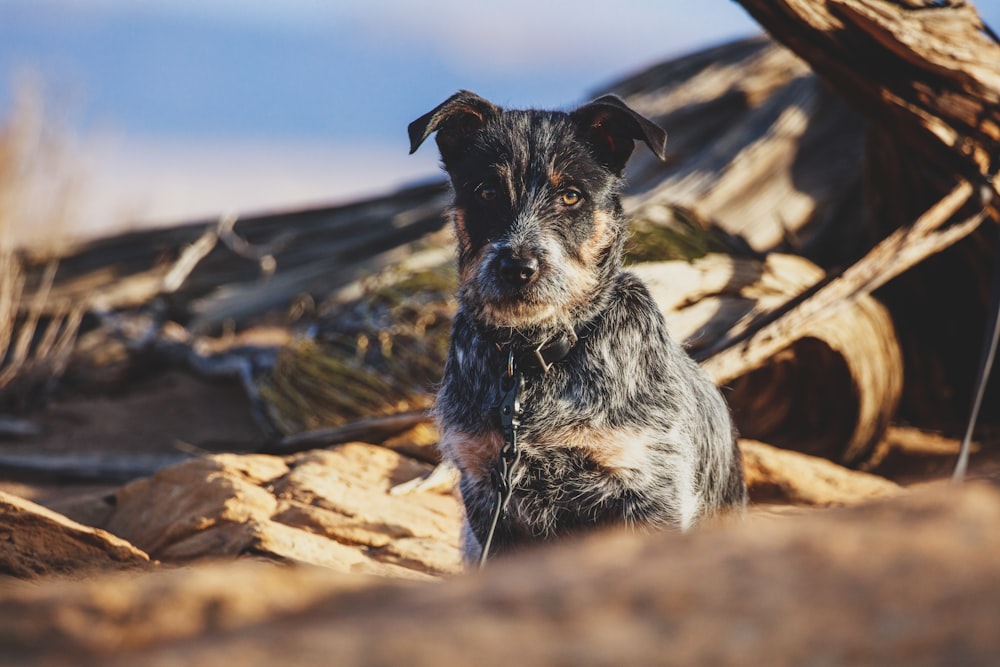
[311,558]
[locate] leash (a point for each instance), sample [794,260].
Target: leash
[510,410]
[512,388]
[986,357]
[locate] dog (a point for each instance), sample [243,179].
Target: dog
[565,405]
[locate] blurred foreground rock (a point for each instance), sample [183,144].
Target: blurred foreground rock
[913,580]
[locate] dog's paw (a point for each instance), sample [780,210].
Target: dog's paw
[443,479]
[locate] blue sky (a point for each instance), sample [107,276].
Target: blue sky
[304,69]
[183,108]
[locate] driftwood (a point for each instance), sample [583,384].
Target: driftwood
[900,251]
[759,150]
[830,392]
[85,467]
[776,475]
[214,272]
[371,429]
[926,71]
[934,101]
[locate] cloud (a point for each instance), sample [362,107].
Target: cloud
[528,33]
[136,181]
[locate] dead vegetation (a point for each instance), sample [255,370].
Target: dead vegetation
[37,332]
[378,354]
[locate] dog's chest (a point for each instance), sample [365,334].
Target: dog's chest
[564,432]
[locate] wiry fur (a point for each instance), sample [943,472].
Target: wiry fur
[626,428]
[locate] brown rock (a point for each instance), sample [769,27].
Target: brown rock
[326,507]
[913,580]
[36,541]
[195,496]
[779,475]
[419,442]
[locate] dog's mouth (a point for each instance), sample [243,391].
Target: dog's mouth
[517,313]
[525,287]
[499,303]
[552,301]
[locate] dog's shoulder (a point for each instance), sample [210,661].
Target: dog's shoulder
[631,306]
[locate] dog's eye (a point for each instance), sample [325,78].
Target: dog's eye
[571,197]
[487,192]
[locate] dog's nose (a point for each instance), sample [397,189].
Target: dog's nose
[518,271]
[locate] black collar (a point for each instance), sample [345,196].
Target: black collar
[539,359]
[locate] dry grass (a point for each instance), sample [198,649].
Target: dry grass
[684,237]
[379,354]
[35,193]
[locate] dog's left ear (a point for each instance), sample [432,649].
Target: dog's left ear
[612,127]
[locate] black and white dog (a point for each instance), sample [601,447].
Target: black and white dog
[612,422]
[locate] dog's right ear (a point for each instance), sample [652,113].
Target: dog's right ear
[454,120]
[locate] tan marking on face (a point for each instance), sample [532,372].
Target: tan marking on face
[461,232]
[473,455]
[599,239]
[611,449]
[521,314]
[582,283]
[555,178]
[579,271]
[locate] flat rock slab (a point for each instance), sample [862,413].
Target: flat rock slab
[911,580]
[36,541]
[325,507]
[777,475]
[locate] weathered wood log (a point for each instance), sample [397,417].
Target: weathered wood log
[85,466]
[926,71]
[776,475]
[926,75]
[206,282]
[757,147]
[828,386]
[371,429]
[904,248]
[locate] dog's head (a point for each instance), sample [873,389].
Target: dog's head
[536,209]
